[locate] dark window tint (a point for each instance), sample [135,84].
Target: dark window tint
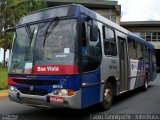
[153,57]
[132,48]
[110,47]
[139,51]
[144,52]
[91,50]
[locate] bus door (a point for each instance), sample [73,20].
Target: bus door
[150,66]
[123,60]
[91,60]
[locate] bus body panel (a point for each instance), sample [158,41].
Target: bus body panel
[91,88]
[138,70]
[43,101]
[154,69]
[91,82]
[68,81]
[109,68]
[34,89]
[39,92]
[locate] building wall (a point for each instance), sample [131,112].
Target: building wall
[150,32]
[142,29]
[108,9]
[110,14]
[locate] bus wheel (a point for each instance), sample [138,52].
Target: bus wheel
[145,86]
[107,96]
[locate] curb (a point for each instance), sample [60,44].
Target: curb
[3,93]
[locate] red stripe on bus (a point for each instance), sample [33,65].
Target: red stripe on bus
[10,81]
[55,69]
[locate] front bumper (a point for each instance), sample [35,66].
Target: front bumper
[44,101]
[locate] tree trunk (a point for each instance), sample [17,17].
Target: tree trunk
[4,60]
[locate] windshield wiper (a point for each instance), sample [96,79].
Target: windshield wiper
[50,28]
[29,32]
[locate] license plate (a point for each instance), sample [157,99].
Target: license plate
[56,99]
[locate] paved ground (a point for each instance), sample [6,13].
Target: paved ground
[134,102]
[3,93]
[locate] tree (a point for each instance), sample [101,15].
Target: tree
[6,43]
[9,37]
[6,19]
[0,64]
[19,8]
[10,13]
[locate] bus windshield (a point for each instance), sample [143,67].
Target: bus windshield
[45,48]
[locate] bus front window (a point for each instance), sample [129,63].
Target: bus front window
[22,52]
[53,53]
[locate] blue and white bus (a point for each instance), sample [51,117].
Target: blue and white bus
[69,56]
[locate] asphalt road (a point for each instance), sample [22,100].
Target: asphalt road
[134,102]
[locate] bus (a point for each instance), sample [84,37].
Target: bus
[69,56]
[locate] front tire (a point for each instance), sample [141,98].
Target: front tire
[145,86]
[107,96]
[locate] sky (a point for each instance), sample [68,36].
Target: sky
[140,10]
[1,54]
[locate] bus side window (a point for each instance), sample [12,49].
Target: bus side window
[153,57]
[132,49]
[139,51]
[144,52]
[84,40]
[91,50]
[110,47]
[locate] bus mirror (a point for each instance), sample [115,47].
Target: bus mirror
[6,37]
[10,30]
[94,32]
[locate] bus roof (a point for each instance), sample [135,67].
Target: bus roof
[137,38]
[76,10]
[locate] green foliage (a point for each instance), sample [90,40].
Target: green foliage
[12,10]
[1,64]
[10,13]
[3,78]
[9,37]
[20,9]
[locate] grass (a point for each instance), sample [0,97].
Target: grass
[3,78]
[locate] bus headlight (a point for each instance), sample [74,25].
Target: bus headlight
[55,92]
[63,92]
[12,88]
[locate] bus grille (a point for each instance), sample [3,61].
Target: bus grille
[40,92]
[36,82]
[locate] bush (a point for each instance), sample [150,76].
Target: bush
[1,64]
[3,78]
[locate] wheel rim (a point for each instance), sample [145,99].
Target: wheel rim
[146,84]
[107,96]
